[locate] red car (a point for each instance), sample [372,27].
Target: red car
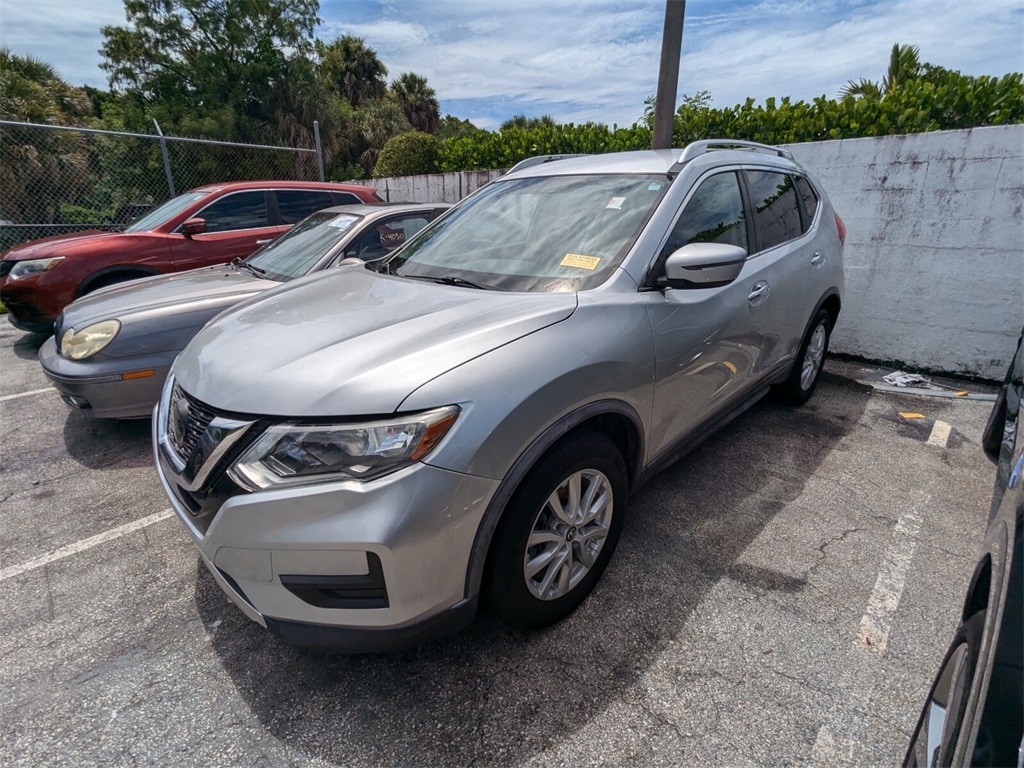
[207,225]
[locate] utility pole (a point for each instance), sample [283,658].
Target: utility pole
[668,74]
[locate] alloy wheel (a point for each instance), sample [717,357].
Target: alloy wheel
[568,533]
[813,357]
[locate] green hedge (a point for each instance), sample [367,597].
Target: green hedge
[949,102]
[408,154]
[488,149]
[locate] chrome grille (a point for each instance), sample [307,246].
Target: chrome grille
[188,419]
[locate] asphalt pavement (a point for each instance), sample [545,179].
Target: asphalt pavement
[782,596]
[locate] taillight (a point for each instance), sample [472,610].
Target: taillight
[841,228]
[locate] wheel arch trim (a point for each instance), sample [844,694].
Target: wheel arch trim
[126,269]
[525,462]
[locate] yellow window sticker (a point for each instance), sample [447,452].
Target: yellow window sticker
[580,261]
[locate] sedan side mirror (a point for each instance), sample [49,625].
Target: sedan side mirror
[704,265]
[194,226]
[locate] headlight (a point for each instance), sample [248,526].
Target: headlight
[22,269]
[78,345]
[290,454]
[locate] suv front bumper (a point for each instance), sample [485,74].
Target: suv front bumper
[414,529]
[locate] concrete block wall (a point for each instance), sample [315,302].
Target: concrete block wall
[432,188]
[935,245]
[934,248]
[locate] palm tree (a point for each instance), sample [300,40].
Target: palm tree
[289,110]
[418,101]
[352,69]
[377,122]
[39,167]
[904,64]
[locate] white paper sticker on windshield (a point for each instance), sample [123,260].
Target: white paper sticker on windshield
[580,261]
[653,186]
[342,222]
[616,203]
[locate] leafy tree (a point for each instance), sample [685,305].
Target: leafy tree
[409,154]
[418,101]
[189,59]
[37,166]
[528,123]
[351,68]
[453,127]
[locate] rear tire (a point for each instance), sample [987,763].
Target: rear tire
[558,532]
[810,360]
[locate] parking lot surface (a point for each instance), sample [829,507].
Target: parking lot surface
[782,596]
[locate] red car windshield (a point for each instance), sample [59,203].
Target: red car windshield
[168,210]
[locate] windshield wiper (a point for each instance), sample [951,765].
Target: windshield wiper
[237,263]
[453,280]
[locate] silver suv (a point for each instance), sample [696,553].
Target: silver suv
[364,457]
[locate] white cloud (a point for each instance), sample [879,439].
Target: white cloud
[599,60]
[63,33]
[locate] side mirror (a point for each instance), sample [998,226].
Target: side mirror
[193,227]
[704,265]
[350,261]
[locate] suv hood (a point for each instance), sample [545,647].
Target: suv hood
[163,296]
[352,343]
[61,245]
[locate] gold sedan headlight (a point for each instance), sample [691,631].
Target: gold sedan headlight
[78,345]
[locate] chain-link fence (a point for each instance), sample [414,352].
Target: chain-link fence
[58,179]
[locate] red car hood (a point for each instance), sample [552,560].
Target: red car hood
[61,245]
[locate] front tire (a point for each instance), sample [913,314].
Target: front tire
[937,734]
[798,388]
[558,532]
[108,280]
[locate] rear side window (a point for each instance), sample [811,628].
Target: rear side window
[241,210]
[809,198]
[345,198]
[714,214]
[387,236]
[296,204]
[776,208]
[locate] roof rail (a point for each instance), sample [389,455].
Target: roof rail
[539,160]
[698,148]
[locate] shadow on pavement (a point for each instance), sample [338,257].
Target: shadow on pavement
[100,443]
[27,345]
[491,695]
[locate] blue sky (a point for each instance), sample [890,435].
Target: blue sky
[598,59]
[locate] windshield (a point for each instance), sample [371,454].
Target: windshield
[554,233]
[295,252]
[168,210]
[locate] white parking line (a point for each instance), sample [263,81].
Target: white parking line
[80,546]
[26,394]
[940,434]
[885,597]
[844,725]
